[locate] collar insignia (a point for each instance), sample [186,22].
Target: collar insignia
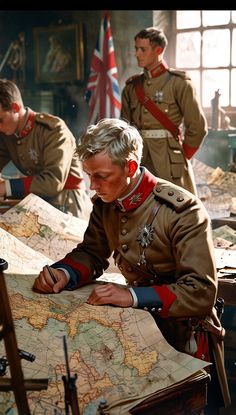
[135,198]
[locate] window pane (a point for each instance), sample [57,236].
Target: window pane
[195,76]
[188,18]
[233,16]
[234,48]
[188,50]
[233,88]
[215,50]
[211,82]
[215,17]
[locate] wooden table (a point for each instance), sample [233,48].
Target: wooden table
[188,398]
[6,204]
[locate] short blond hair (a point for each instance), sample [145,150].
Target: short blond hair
[118,138]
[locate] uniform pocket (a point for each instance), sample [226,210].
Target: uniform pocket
[177,159]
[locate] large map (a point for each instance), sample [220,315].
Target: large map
[46,229]
[43,227]
[118,354]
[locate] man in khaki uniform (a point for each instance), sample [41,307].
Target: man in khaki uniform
[169,143]
[160,237]
[42,148]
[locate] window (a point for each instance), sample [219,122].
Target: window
[206,48]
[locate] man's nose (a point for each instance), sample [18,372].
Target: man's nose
[93,185]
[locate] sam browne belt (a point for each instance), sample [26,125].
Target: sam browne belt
[155,133]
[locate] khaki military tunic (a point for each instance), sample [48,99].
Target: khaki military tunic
[178,260]
[46,158]
[175,95]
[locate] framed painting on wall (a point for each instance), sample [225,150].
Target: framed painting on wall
[59,53]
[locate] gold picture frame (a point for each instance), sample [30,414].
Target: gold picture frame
[59,53]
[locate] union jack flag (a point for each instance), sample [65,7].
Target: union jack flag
[103,92]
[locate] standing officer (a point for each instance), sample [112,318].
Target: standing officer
[163,105]
[42,148]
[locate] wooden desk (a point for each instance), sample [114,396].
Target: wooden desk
[6,204]
[188,398]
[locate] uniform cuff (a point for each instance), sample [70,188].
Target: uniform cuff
[8,188]
[135,298]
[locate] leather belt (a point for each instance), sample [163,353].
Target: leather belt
[155,133]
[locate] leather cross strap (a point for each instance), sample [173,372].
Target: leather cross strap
[154,110]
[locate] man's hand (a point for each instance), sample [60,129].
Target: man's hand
[44,283]
[111,294]
[2,187]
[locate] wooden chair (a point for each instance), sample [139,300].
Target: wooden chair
[7,332]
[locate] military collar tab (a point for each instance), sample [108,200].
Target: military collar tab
[157,71]
[28,125]
[139,194]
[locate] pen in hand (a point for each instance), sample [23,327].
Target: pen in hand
[51,274]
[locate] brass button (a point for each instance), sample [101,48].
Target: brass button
[145,110]
[149,83]
[124,248]
[124,232]
[158,189]
[19,142]
[170,193]
[124,219]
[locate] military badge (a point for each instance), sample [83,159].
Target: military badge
[158,96]
[145,237]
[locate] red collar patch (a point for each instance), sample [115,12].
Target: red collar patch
[140,193]
[29,124]
[158,70]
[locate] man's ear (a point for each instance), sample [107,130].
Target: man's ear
[159,50]
[133,165]
[15,107]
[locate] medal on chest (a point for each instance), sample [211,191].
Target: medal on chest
[145,237]
[158,96]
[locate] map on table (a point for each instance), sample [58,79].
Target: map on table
[118,354]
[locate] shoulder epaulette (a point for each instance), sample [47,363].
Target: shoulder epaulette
[131,78]
[49,120]
[181,74]
[173,195]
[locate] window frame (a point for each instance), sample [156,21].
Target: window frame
[172,55]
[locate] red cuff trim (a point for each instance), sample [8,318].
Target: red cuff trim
[26,183]
[167,298]
[189,151]
[77,266]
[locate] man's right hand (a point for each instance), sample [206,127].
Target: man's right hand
[44,283]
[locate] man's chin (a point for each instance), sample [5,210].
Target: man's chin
[106,199]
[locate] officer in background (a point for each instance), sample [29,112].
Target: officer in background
[42,148]
[163,105]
